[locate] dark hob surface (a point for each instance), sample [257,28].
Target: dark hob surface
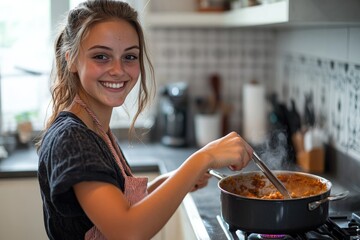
[345,206]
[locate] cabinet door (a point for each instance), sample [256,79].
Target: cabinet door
[21,215]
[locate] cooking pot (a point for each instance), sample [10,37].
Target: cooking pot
[272,216]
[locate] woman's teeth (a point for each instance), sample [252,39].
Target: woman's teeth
[113,85]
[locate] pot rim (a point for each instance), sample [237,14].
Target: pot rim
[322,179]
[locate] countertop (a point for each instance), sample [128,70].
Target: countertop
[157,157]
[141,157]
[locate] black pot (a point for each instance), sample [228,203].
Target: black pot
[273,216]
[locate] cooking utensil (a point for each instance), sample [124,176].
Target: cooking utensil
[273,179]
[294,118]
[272,216]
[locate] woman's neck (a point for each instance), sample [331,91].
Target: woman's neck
[90,114]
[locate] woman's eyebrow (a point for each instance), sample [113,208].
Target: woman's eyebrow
[132,47]
[99,46]
[108,48]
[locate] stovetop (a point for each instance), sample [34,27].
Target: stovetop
[335,228]
[343,224]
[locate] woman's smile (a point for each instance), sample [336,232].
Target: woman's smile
[113,85]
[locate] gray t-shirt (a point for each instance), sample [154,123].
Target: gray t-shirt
[71,153]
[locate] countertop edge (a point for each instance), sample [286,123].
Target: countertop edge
[195,218]
[18,174]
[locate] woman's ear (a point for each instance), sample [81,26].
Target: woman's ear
[71,66]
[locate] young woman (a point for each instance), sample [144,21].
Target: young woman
[87,187]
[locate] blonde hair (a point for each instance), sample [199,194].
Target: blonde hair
[78,23]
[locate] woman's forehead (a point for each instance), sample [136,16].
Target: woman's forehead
[112,31]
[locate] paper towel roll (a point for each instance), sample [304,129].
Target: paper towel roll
[254,109]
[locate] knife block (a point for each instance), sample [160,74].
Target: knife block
[312,161]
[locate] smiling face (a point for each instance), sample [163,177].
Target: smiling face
[108,64]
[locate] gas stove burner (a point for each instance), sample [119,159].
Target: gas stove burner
[340,227]
[272,236]
[269,236]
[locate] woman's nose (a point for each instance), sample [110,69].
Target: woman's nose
[116,68]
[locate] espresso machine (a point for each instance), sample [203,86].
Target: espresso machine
[173,114]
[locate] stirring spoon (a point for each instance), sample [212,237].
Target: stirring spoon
[273,179]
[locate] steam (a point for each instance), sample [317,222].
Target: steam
[274,152]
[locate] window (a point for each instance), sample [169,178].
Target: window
[26,45]
[24,60]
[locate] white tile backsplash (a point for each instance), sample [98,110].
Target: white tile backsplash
[293,62]
[193,55]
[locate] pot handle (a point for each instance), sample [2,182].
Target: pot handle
[216,174]
[313,205]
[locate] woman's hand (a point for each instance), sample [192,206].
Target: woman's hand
[229,151]
[202,182]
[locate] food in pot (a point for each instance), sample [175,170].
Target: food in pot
[258,186]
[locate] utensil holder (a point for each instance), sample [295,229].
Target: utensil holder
[312,161]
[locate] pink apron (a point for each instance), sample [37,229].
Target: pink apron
[135,187]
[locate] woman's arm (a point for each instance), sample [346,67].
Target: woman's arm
[108,209]
[202,182]
[158,181]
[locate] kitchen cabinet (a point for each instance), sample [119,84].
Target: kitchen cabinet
[282,13]
[22,215]
[21,210]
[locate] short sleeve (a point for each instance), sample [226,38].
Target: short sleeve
[78,155]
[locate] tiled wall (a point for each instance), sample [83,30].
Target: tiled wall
[322,61]
[192,55]
[326,63]
[335,90]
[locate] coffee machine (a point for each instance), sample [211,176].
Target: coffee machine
[173,114]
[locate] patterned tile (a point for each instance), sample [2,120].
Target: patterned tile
[335,87]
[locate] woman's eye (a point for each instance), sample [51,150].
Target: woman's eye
[131,57]
[100,57]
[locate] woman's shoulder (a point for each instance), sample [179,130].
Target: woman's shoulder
[70,133]
[67,121]
[67,127]
[66,117]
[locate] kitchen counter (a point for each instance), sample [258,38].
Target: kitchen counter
[151,158]
[141,157]
[21,163]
